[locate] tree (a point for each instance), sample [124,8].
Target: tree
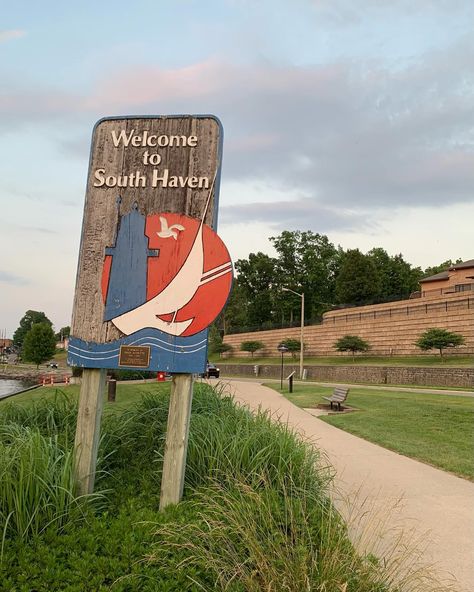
[216,345]
[251,346]
[235,315]
[223,348]
[63,333]
[352,343]
[397,278]
[307,262]
[30,318]
[433,270]
[256,278]
[439,339]
[39,344]
[293,346]
[358,281]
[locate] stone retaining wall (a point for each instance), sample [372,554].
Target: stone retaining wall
[419,376]
[390,329]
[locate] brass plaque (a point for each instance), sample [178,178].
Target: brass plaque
[134,356]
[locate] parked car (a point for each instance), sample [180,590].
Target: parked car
[211,371]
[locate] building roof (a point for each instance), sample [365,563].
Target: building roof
[463,265]
[444,275]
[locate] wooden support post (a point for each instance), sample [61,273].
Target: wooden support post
[88,428]
[176,446]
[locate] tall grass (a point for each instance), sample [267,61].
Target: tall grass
[257,513]
[55,416]
[266,521]
[36,482]
[37,487]
[230,443]
[262,539]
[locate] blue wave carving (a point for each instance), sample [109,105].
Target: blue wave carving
[167,352]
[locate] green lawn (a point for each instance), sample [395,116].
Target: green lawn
[126,396]
[344,360]
[436,429]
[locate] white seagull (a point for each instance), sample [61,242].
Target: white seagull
[166,231]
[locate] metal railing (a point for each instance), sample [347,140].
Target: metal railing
[353,316]
[398,311]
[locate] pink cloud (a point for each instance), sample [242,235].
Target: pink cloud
[141,85]
[136,86]
[12,34]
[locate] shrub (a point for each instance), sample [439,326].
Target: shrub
[251,346]
[223,348]
[439,339]
[293,345]
[351,343]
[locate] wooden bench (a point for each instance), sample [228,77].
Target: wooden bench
[339,396]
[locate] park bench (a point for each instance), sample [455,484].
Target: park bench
[339,396]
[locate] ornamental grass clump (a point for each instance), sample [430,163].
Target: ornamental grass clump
[253,539]
[265,518]
[228,442]
[36,482]
[56,416]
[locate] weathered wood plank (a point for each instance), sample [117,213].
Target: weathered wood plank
[172,481]
[101,211]
[88,428]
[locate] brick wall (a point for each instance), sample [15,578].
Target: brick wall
[390,329]
[449,377]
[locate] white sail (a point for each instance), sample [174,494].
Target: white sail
[173,297]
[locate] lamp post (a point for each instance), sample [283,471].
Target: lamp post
[302,327]
[282,349]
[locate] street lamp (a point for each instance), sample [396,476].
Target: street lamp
[282,349]
[302,327]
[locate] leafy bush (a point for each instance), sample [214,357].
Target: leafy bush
[293,345]
[352,343]
[251,346]
[439,339]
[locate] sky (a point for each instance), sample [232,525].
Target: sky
[350,119]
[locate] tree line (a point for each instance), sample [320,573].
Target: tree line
[329,276]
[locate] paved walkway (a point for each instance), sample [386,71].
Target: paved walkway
[430,505]
[377,387]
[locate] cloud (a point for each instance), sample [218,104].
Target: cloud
[370,136]
[12,34]
[292,215]
[363,136]
[37,229]
[10,278]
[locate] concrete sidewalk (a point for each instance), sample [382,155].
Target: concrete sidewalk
[436,508]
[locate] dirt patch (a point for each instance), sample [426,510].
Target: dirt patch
[334,410]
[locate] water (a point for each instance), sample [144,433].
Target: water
[8,386]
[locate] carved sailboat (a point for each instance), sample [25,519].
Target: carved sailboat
[176,294]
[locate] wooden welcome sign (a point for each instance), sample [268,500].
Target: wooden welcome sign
[152,272]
